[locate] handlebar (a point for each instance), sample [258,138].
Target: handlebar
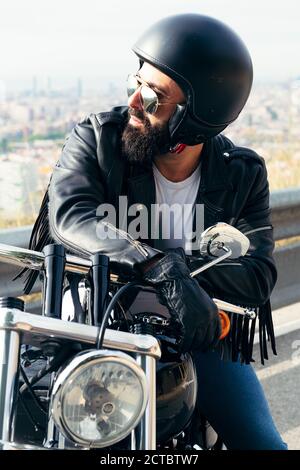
[35,259]
[25,258]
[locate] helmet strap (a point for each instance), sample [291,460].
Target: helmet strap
[178,148]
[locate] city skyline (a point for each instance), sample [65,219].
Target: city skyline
[93,42]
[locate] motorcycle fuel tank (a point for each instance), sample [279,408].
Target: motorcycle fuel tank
[176,391]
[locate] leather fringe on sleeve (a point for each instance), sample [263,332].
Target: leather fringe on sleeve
[40,237]
[238,344]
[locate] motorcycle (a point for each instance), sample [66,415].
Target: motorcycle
[89,372]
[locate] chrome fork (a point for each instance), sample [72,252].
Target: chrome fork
[9,373]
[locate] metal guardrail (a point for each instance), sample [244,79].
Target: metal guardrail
[286,221]
[286,213]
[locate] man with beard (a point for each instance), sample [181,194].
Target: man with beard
[194,78]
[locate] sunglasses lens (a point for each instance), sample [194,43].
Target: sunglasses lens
[132,85]
[149,100]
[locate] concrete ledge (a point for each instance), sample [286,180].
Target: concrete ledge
[286,320]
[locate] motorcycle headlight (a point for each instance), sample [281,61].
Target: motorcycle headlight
[99,398]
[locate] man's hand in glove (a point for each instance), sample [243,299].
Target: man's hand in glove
[190,307]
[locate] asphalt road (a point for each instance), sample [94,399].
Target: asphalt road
[280,378]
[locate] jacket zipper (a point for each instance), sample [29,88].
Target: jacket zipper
[127,237]
[266,227]
[124,234]
[229,264]
[210,205]
[72,246]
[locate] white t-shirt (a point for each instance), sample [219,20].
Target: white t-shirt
[175,204]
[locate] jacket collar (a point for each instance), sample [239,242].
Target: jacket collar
[214,172]
[214,176]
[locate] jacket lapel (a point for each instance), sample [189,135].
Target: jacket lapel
[214,185]
[141,191]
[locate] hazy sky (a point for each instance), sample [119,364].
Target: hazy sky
[67,39]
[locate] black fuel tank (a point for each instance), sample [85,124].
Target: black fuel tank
[176,390]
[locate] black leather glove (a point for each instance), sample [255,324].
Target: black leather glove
[193,312]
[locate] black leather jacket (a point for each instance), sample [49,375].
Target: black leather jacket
[233,189]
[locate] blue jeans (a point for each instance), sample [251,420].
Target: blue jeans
[233,401]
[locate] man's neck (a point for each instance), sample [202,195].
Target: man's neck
[178,167]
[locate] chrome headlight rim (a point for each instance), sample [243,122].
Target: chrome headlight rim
[79,363]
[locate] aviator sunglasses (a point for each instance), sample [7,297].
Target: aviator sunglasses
[148,97]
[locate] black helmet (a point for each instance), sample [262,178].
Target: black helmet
[209,62]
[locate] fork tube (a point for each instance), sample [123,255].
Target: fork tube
[148,421]
[53,280]
[9,372]
[100,286]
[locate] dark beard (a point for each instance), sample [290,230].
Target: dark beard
[142,145]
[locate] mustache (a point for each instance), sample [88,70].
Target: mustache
[138,114]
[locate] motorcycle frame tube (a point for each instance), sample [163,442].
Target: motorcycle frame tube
[147,427]
[9,373]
